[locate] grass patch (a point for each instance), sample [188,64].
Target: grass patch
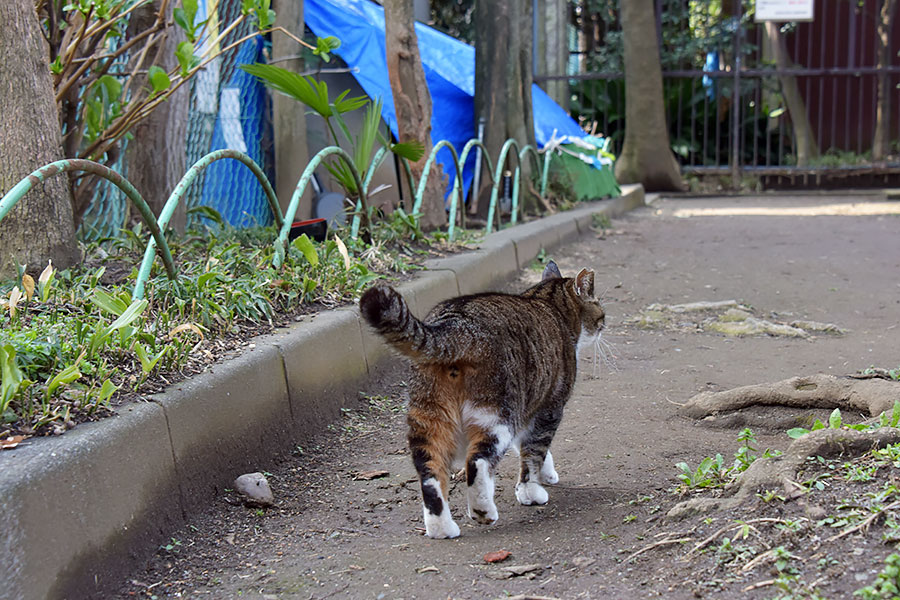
[75,342]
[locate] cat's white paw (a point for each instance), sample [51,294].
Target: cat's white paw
[531,493]
[484,513]
[480,495]
[548,472]
[440,527]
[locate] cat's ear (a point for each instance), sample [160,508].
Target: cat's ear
[584,283]
[551,271]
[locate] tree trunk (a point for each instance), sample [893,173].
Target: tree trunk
[646,155]
[291,151]
[155,156]
[412,103]
[552,50]
[882,139]
[804,138]
[40,227]
[503,78]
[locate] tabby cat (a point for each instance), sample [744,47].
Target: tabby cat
[490,371]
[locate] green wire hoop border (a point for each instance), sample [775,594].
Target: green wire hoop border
[178,193]
[19,190]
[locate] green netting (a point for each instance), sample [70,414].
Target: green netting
[574,169]
[245,124]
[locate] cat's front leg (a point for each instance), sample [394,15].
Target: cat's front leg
[529,489]
[536,461]
[549,476]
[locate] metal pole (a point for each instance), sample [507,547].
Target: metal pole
[476,178]
[736,103]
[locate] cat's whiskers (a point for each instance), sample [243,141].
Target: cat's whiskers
[608,351]
[604,353]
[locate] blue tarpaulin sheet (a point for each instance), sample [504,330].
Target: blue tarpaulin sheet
[449,67]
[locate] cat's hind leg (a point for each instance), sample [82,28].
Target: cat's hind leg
[486,447]
[431,443]
[536,465]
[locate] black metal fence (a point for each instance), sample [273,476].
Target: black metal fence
[732,106]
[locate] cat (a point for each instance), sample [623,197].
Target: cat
[490,371]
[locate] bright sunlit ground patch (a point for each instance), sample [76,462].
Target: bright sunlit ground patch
[822,210]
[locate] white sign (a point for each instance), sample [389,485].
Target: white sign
[784,10]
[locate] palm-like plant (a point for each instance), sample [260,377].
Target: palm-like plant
[361,147]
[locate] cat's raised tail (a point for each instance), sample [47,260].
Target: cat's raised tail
[388,313]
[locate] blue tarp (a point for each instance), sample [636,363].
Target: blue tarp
[449,72]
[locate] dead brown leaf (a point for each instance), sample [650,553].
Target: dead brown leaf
[12,441]
[498,556]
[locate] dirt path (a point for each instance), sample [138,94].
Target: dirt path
[335,537]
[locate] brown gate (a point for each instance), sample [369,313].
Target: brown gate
[744,98]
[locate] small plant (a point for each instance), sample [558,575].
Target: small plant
[893,374]
[835,421]
[770,495]
[730,552]
[890,454]
[887,582]
[360,148]
[173,547]
[746,453]
[712,472]
[783,560]
[601,221]
[789,525]
[709,473]
[859,473]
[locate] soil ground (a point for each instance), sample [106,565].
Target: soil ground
[334,535]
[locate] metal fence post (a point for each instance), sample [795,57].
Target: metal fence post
[736,102]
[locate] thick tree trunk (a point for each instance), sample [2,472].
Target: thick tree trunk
[552,50]
[646,155]
[291,151]
[882,140]
[412,103]
[804,138]
[40,227]
[155,156]
[503,78]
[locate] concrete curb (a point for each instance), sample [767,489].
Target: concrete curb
[77,514]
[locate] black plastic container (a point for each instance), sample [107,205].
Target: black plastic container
[315,229]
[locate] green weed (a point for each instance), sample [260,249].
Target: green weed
[835,421]
[887,582]
[712,472]
[70,340]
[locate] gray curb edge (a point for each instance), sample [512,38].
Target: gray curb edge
[77,514]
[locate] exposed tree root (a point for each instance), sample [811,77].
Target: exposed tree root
[780,472]
[871,395]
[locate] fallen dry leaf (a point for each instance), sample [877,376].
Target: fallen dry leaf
[498,556]
[369,475]
[521,569]
[430,569]
[28,284]
[12,441]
